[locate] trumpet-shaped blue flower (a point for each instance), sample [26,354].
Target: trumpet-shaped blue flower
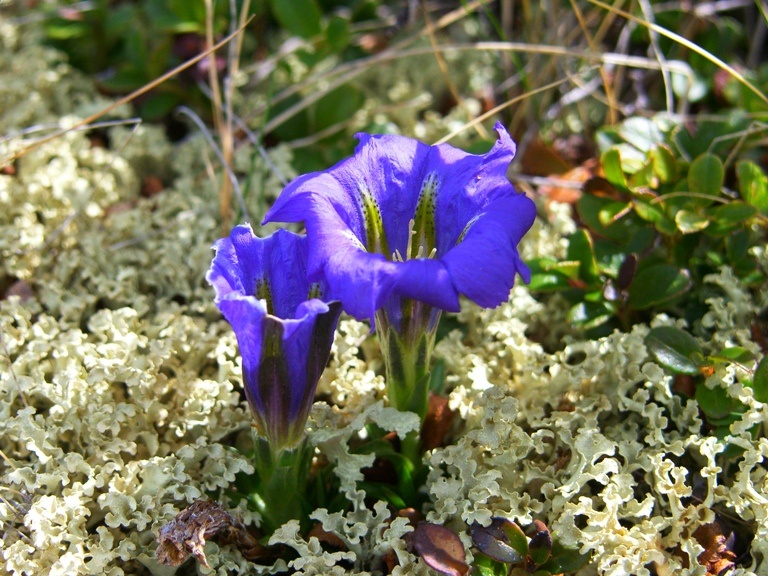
[400,230]
[402,218]
[283,323]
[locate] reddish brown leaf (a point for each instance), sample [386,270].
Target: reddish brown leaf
[119,207]
[437,422]
[440,548]
[9,169]
[717,555]
[21,289]
[151,186]
[568,194]
[539,159]
[684,384]
[326,537]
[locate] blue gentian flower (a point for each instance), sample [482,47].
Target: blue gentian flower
[283,323]
[402,218]
[400,230]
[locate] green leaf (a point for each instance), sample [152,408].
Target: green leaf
[728,217]
[299,17]
[548,274]
[159,105]
[675,350]
[760,381]
[581,249]
[487,566]
[590,314]
[733,354]
[705,175]
[540,547]
[60,29]
[611,163]
[753,185]
[516,537]
[657,284]
[337,34]
[125,80]
[654,213]
[613,212]
[493,542]
[715,403]
[642,133]
[337,106]
[664,163]
[689,222]
[590,209]
[565,560]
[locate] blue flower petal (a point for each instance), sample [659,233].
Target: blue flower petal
[483,265]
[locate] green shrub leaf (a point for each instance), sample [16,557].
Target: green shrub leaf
[658,284]
[706,174]
[760,381]
[753,185]
[299,17]
[675,349]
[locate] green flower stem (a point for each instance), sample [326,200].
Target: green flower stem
[407,353]
[282,480]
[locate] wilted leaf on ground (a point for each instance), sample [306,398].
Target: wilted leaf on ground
[187,532]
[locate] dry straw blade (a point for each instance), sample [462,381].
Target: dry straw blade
[687,43]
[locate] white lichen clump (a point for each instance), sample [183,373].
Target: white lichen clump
[121,398]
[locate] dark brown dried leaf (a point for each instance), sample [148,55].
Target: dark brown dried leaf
[437,422]
[187,532]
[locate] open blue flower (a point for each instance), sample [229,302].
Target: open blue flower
[284,326]
[404,220]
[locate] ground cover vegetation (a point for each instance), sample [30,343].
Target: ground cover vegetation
[607,416]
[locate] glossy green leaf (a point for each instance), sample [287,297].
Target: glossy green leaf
[492,541]
[715,403]
[612,212]
[516,537]
[658,284]
[486,566]
[581,250]
[548,274]
[565,560]
[675,350]
[733,354]
[728,217]
[299,17]
[611,163]
[664,163]
[642,133]
[540,547]
[654,212]
[591,314]
[760,381]
[337,33]
[753,185]
[689,222]
[706,174]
